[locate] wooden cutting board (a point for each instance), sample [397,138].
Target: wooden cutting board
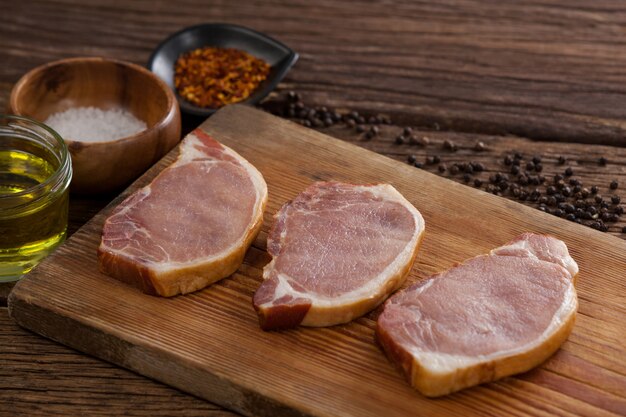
[209,343]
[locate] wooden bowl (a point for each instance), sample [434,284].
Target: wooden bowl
[101,167]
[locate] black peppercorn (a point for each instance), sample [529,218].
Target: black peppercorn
[514,169]
[448,144]
[368,135]
[594,189]
[442,168]
[569,171]
[624,229]
[508,160]
[614,184]
[360,128]
[619,210]
[477,182]
[603,161]
[550,190]
[543,200]
[518,155]
[598,199]
[469,169]
[478,167]
[538,167]
[436,159]
[561,160]
[558,177]
[417,165]
[530,165]
[374,130]
[411,159]
[479,146]
[407,131]
[566,191]
[454,169]
[467,177]
[615,199]
[400,140]
[571,217]
[430,160]
[558,212]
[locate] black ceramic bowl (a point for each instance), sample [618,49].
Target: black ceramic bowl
[279,56]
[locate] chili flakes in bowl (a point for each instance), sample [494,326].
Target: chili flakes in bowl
[212,77]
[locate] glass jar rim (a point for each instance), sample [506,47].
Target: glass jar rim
[65,158]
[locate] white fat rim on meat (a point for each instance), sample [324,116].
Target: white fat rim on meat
[373,287]
[189,153]
[443,363]
[565,261]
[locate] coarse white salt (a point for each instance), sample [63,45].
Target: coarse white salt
[90,124]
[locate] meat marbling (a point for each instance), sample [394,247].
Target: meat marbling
[338,251]
[191,226]
[492,316]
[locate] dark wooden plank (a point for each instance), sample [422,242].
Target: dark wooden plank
[222,355]
[42,378]
[539,69]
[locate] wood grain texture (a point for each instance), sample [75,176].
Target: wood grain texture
[63,382]
[540,69]
[221,354]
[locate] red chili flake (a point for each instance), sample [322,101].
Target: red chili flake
[213,77]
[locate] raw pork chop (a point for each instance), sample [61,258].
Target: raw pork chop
[338,251]
[191,226]
[492,316]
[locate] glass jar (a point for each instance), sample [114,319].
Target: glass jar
[35,173]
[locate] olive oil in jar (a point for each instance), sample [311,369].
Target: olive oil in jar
[34,176]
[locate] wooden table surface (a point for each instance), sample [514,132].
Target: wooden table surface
[538,77]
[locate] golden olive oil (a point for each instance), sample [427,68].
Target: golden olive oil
[33,221]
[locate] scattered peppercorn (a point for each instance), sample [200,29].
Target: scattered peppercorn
[508,160]
[561,160]
[594,189]
[479,146]
[603,161]
[477,182]
[411,159]
[442,168]
[360,128]
[454,169]
[614,184]
[615,199]
[436,159]
[569,171]
[400,140]
[449,145]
